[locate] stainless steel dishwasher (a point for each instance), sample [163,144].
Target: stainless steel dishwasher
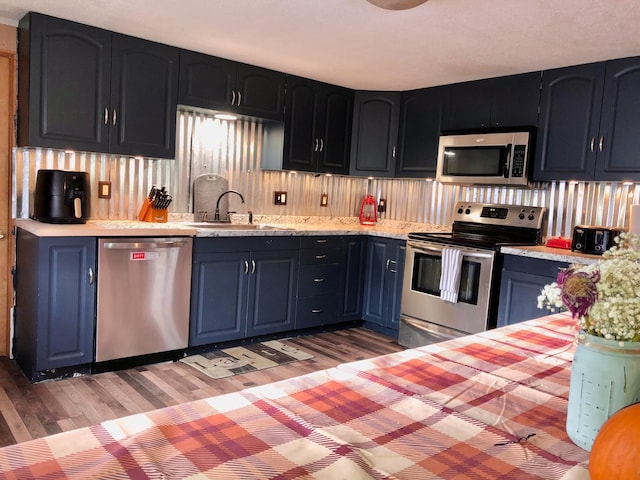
[143,296]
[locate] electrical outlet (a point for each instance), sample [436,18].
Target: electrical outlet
[324,200]
[279,198]
[382,205]
[104,189]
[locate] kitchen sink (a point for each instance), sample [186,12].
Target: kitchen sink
[233,226]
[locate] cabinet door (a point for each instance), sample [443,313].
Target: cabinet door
[374,305]
[335,135]
[423,116]
[66,324]
[519,296]
[354,264]
[143,97]
[618,142]
[470,105]
[300,140]
[375,133]
[219,292]
[393,290]
[522,281]
[515,100]
[272,292]
[260,92]
[205,81]
[570,105]
[64,84]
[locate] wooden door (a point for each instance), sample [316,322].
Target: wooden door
[7,109]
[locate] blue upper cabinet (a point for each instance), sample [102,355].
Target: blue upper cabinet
[590,122]
[88,89]
[376,117]
[423,115]
[618,140]
[569,120]
[220,84]
[510,101]
[317,126]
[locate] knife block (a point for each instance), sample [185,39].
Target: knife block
[149,214]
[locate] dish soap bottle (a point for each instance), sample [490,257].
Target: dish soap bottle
[368,213]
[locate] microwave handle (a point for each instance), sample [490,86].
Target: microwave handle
[507,161]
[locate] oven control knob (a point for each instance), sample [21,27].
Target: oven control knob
[460,211]
[467,211]
[521,216]
[531,216]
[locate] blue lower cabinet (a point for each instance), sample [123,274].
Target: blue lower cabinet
[242,287]
[55,303]
[383,284]
[521,282]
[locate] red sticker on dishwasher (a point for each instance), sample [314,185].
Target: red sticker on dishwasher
[144,255]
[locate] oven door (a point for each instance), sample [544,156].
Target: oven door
[421,291]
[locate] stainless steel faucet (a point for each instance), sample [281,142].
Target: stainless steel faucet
[216,215]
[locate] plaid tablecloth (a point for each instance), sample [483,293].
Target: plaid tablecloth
[487,406]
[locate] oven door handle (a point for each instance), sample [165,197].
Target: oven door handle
[438,250]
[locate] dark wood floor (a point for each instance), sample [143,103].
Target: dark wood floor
[29,411]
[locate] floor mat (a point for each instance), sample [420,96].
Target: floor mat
[247,358]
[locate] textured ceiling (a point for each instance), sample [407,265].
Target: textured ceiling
[355,44]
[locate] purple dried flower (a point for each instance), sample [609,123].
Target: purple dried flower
[579,291]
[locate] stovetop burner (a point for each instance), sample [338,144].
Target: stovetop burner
[489,226]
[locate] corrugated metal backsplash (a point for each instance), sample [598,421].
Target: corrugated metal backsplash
[235,150]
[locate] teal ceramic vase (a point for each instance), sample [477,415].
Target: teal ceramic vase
[605,377]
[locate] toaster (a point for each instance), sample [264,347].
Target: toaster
[594,239]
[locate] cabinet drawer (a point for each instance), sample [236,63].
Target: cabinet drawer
[330,241]
[320,256]
[318,280]
[316,311]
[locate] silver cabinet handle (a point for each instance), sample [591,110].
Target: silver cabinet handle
[321,240]
[106,116]
[91,276]
[239,98]
[316,310]
[321,257]
[321,144]
[1,235]
[315,148]
[318,280]
[233,97]
[601,143]
[393,152]
[115,116]
[592,144]
[253,267]
[388,265]
[246,267]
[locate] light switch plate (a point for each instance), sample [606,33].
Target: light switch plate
[279,198]
[104,190]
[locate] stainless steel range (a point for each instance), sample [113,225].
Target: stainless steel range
[451,280]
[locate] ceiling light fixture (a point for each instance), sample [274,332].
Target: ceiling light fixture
[397,4]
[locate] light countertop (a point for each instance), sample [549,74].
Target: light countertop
[273,226]
[549,253]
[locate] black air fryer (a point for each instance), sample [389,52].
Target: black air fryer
[62,197]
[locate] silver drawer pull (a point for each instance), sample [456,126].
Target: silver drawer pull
[316,310]
[321,240]
[320,257]
[318,280]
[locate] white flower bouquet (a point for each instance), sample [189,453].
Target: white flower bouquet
[604,297]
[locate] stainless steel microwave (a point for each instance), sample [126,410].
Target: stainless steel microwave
[492,158]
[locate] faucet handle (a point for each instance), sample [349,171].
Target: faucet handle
[204,217]
[250,217]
